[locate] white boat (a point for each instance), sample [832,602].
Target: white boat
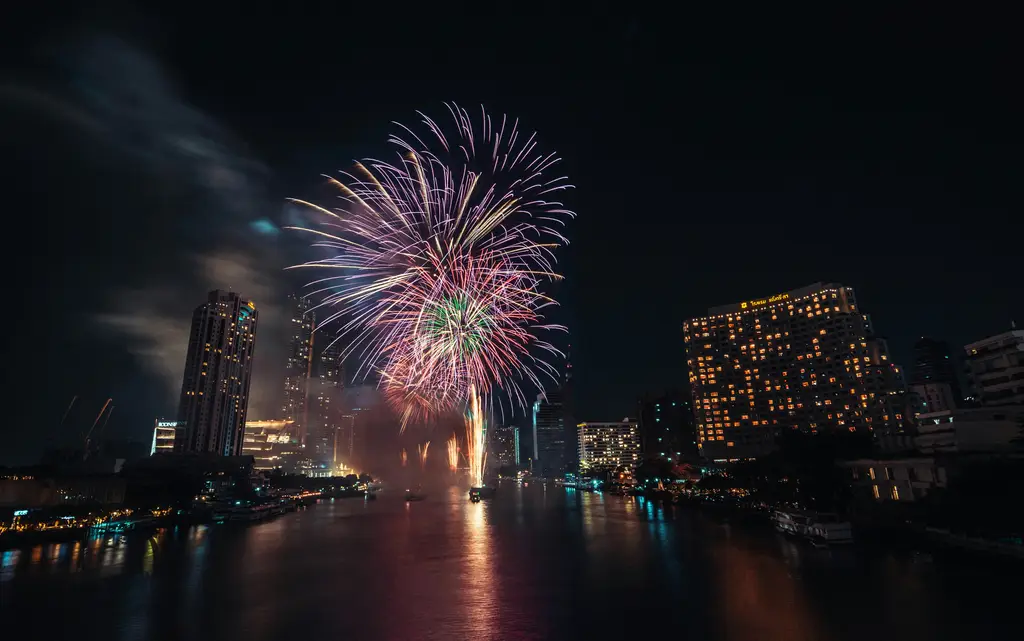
[819,527]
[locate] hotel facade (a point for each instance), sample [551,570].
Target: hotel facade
[607,446]
[807,359]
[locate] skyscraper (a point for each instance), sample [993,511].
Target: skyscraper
[326,417]
[667,428]
[806,359]
[215,387]
[504,445]
[935,365]
[549,433]
[298,364]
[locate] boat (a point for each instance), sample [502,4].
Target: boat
[821,528]
[482,492]
[411,495]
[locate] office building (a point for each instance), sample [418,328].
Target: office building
[165,433]
[995,368]
[215,387]
[272,444]
[607,446]
[935,363]
[504,445]
[298,364]
[344,446]
[549,435]
[806,359]
[325,415]
[667,428]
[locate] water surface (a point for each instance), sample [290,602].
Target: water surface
[534,563]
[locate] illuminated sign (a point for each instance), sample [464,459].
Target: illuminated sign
[20,512]
[167,423]
[764,301]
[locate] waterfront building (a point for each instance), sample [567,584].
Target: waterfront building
[165,433]
[272,444]
[805,359]
[995,368]
[218,367]
[504,445]
[326,415]
[667,428]
[549,435]
[607,446]
[298,364]
[902,480]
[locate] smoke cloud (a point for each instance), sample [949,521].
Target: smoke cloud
[180,197]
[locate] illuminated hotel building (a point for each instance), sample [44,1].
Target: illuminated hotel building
[805,359]
[297,367]
[215,387]
[606,446]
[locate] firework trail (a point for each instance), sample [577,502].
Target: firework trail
[433,265]
[405,457]
[422,451]
[476,439]
[453,454]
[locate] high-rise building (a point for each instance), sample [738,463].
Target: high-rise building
[995,368]
[549,431]
[806,359]
[571,454]
[325,416]
[298,365]
[667,427]
[215,388]
[345,440]
[935,363]
[607,446]
[504,445]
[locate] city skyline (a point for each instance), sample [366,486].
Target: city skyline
[844,166]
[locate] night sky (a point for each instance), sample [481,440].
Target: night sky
[716,159]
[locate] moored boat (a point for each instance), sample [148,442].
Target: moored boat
[819,527]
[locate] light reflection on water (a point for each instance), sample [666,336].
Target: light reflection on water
[532,563]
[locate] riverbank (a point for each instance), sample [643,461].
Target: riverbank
[56,528]
[892,534]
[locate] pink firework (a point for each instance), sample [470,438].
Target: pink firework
[434,264]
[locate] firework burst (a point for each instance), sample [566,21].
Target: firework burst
[433,265]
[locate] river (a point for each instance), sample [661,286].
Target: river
[540,562]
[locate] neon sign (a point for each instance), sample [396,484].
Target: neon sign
[764,301]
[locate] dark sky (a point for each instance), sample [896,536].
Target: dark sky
[716,158]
